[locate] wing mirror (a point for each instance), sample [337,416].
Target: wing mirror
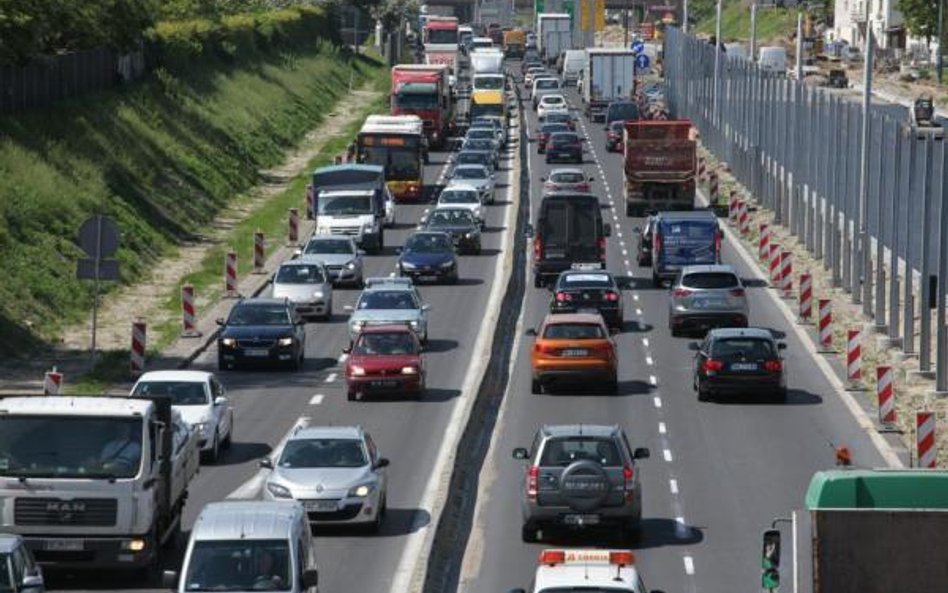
[426,307]
[33,581]
[266,463]
[360,252]
[543,179]
[781,345]
[641,453]
[591,178]
[219,321]
[310,578]
[220,400]
[297,252]
[521,453]
[383,462]
[694,347]
[347,350]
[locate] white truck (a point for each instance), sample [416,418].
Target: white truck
[554,35]
[487,61]
[609,76]
[95,482]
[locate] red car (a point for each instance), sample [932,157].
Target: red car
[385,360]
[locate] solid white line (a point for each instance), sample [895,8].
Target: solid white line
[251,488]
[689,565]
[667,454]
[330,377]
[316,399]
[653,379]
[662,429]
[649,361]
[673,486]
[658,401]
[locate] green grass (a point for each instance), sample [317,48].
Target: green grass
[162,158]
[772,23]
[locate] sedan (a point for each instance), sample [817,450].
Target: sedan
[200,399]
[703,297]
[463,196]
[573,180]
[428,255]
[577,290]
[739,361]
[307,284]
[483,134]
[483,144]
[475,157]
[385,359]
[261,331]
[492,121]
[564,146]
[458,222]
[497,130]
[573,347]
[335,471]
[476,176]
[341,256]
[552,104]
[547,130]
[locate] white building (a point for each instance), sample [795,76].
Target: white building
[849,23]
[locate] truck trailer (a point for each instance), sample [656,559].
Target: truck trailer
[609,76]
[424,90]
[554,35]
[660,166]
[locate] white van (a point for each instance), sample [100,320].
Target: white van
[773,59]
[246,546]
[574,60]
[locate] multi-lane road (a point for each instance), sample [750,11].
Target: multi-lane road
[719,472]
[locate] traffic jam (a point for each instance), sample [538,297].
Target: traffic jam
[372,339]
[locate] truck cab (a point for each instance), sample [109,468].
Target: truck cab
[350,200]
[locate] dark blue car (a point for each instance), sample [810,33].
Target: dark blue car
[428,255]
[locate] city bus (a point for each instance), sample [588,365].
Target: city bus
[397,143]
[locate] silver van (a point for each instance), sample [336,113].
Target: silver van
[239,546]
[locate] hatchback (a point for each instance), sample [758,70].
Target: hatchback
[566,180]
[551,104]
[573,347]
[740,361]
[307,283]
[385,359]
[564,146]
[704,297]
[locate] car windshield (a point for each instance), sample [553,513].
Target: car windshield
[478,144]
[568,177]
[300,274]
[754,348]
[616,126]
[623,111]
[428,243]
[470,173]
[573,331]
[710,280]
[553,128]
[569,281]
[453,217]
[417,100]
[547,83]
[316,452]
[182,393]
[387,344]
[70,446]
[564,451]
[239,565]
[493,83]
[344,205]
[481,133]
[554,100]
[459,197]
[387,299]
[330,247]
[259,315]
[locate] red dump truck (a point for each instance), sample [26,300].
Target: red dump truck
[424,90]
[660,166]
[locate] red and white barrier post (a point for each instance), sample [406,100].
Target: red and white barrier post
[763,242]
[743,218]
[188,314]
[886,395]
[702,170]
[293,227]
[786,274]
[259,254]
[826,325]
[774,264]
[925,439]
[854,359]
[806,298]
[230,275]
[137,363]
[310,205]
[733,207]
[52,382]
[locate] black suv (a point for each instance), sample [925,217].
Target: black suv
[261,331]
[569,235]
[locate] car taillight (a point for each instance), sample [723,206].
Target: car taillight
[713,366]
[602,248]
[612,296]
[549,146]
[533,480]
[537,248]
[657,243]
[682,292]
[627,475]
[773,366]
[583,187]
[738,292]
[563,297]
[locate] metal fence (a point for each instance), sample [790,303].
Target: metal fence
[54,78]
[798,149]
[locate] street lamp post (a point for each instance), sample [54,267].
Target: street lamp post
[941,39]
[717,65]
[862,262]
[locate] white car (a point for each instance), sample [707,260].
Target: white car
[200,399]
[584,569]
[463,195]
[544,85]
[477,176]
[552,104]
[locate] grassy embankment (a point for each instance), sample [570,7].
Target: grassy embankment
[772,23]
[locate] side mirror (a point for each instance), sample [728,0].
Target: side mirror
[531,332]
[219,321]
[426,307]
[521,453]
[266,463]
[348,308]
[360,252]
[641,453]
[220,400]
[33,581]
[770,559]
[694,346]
[607,229]
[347,350]
[310,578]
[383,462]
[169,579]
[591,178]
[781,345]
[543,179]
[297,253]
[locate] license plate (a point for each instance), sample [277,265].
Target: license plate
[321,506]
[586,266]
[575,352]
[744,366]
[256,352]
[64,545]
[708,303]
[385,383]
[581,519]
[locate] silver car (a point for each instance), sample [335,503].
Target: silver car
[335,471]
[566,179]
[306,283]
[26,575]
[389,300]
[462,195]
[498,132]
[341,256]
[477,176]
[705,297]
[580,476]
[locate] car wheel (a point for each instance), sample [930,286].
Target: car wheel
[536,387]
[703,394]
[529,533]
[656,280]
[351,395]
[629,210]
[376,525]
[215,452]
[537,281]
[229,439]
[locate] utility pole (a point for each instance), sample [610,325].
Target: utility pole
[753,40]
[800,46]
[717,65]
[941,39]
[684,21]
[862,264]
[625,21]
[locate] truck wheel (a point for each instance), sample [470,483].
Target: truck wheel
[536,387]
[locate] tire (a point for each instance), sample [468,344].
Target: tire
[350,395]
[229,439]
[703,394]
[656,280]
[529,533]
[298,363]
[537,281]
[376,526]
[215,452]
[536,387]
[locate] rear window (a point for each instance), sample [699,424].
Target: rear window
[550,83]
[571,177]
[586,281]
[689,230]
[552,100]
[710,280]
[574,331]
[564,451]
[552,128]
[742,348]
[561,139]
[623,111]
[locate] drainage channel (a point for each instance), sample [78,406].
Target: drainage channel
[454,527]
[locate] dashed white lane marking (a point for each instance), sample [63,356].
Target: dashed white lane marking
[667,454]
[649,361]
[316,399]
[638,311]
[689,565]
[658,401]
[635,296]
[653,380]
[645,342]
[662,429]
[673,486]
[627,264]
[625,253]
[330,377]
[343,358]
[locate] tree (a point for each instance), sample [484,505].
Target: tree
[921,17]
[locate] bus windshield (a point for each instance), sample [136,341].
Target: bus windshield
[401,164]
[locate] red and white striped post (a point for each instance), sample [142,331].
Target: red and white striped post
[293,227]
[702,170]
[743,218]
[310,205]
[806,298]
[230,275]
[786,274]
[925,439]
[886,395]
[139,335]
[733,207]
[52,382]
[259,256]
[763,242]
[826,325]
[854,359]
[774,264]
[188,314]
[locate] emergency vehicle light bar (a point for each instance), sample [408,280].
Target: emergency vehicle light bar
[616,557]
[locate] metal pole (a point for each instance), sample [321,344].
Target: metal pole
[800,46]
[925,328]
[625,21]
[717,66]
[941,40]
[881,224]
[862,260]
[941,336]
[753,40]
[684,23]
[908,314]
[97,260]
[895,206]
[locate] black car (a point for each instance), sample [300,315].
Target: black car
[569,235]
[739,361]
[547,130]
[576,290]
[261,331]
[622,110]
[565,146]
[475,157]
[428,255]
[643,251]
[460,223]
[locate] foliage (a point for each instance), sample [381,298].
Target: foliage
[921,17]
[391,13]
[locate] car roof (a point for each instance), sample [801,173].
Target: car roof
[567,170]
[470,166]
[182,376]
[477,151]
[586,273]
[331,432]
[565,133]
[708,268]
[568,195]
[9,542]
[254,301]
[594,430]
[326,236]
[387,328]
[688,215]
[246,520]
[562,318]
[741,332]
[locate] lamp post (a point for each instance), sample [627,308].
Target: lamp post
[941,40]
[862,263]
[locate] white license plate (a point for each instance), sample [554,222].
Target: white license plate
[575,352]
[744,366]
[589,266]
[256,352]
[321,506]
[708,304]
[581,519]
[64,545]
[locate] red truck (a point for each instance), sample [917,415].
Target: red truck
[424,90]
[660,166]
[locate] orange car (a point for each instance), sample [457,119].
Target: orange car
[573,347]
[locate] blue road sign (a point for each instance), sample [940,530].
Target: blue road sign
[638,46]
[641,62]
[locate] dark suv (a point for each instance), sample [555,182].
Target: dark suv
[580,476]
[564,146]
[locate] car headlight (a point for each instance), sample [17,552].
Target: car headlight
[408,266]
[351,265]
[357,324]
[285,342]
[229,342]
[366,227]
[362,490]
[358,371]
[199,427]
[278,490]
[470,235]
[447,264]
[409,371]
[413,324]
[318,294]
